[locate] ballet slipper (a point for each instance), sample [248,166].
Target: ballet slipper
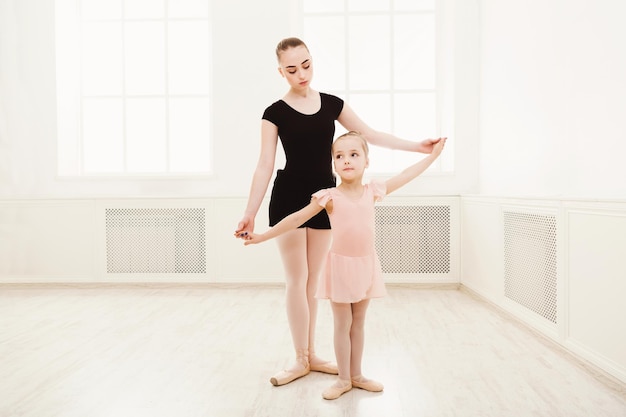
[337,389]
[326,367]
[300,369]
[366,384]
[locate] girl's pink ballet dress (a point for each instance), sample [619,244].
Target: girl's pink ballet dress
[352,271]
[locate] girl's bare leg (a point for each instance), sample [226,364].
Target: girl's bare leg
[357,338]
[342,317]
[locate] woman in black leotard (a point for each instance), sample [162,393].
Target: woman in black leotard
[304,120]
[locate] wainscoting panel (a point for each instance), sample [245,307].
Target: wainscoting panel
[556,265]
[596,286]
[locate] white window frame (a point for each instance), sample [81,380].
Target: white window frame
[443,89]
[70,101]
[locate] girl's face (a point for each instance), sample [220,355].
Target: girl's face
[350,158]
[296,66]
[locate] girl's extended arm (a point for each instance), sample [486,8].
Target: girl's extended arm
[349,119]
[416,169]
[262,175]
[290,222]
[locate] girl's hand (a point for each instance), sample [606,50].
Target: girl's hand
[438,146]
[252,239]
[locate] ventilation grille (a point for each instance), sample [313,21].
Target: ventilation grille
[155,240]
[413,239]
[530,261]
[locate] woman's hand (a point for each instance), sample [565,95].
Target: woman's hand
[245,227]
[427,145]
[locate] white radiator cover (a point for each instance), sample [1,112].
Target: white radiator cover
[414,239]
[530,261]
[155,240]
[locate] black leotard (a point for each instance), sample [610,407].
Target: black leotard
[306,140]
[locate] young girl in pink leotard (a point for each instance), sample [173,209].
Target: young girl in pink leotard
[352,273]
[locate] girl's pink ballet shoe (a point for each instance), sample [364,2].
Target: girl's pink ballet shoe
[337,390]
[367,384]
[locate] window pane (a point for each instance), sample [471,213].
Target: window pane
[144,58]
[376,110]
[102,58]
[189,135]
[414,5]
[313,6]
[103,145]
[67,44]
[144,9]
[329,60]
[415,115]
[146,146]
[415,118]
[188,57]
[369,53]
[188,8]
[368,5]
[101,9]
[414,51]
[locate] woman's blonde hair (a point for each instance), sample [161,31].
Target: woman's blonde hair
[352,134]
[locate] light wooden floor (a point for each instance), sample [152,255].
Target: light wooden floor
[209,351]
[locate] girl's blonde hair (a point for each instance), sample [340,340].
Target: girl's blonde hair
[352,134]
[288,43]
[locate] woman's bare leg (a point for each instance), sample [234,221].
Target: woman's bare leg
[318,245]
[293,250]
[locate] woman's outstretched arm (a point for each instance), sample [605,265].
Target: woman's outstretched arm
[351,121]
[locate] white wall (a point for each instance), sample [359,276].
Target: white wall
[553,98]
[552,140]
[245,81]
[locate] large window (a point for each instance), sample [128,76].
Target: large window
[381,57]
[133,85]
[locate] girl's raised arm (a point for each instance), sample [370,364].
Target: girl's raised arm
[290,222]
[416,169]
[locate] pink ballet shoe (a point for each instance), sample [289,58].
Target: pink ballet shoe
[367,384]
[337,390]
[301,369]
[326,367]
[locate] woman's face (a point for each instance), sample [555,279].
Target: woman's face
[297,67]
